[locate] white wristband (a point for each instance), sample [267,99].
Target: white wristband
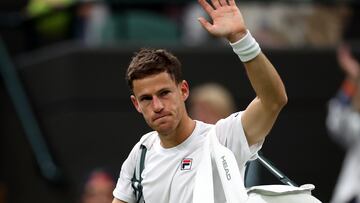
[246,48]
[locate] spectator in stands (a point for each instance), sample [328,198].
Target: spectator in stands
[210,102]
[98,188]
[343,119]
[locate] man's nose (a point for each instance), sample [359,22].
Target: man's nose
[157,104]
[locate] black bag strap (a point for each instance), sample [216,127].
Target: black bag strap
[136,180]
[275,171]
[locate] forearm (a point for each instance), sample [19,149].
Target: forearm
[263,77]
[261,113]
[266,82]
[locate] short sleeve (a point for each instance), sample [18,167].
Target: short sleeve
[231,134]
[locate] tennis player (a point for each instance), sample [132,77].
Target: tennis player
[174,147]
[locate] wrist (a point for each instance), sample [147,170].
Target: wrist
[349,86]
[246,48]
[353,79]
[347,91]
[232,38]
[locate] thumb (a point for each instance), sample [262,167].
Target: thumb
[205,24]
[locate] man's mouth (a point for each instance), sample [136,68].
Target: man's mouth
[159,117]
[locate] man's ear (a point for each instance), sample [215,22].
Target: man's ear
[184,86]
[135,103]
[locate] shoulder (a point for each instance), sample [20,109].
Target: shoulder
[148,139]
[234,118]
[227,124]
[202,128]
[230,127]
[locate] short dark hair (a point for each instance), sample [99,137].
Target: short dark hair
[148,62]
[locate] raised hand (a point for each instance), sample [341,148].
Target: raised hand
[351,68]
[227,20]
[348,63]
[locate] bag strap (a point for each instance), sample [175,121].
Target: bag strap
[136,180]
[275,171]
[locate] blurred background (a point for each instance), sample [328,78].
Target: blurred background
[65,107]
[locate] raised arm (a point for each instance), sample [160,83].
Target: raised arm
[260,115]
[351,67]
[344,109]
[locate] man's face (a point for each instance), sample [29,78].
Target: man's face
[161,101]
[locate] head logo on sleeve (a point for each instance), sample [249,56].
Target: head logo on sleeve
[186,164]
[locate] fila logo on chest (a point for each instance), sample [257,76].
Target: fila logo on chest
[186,164]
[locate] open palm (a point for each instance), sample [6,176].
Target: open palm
[227,20]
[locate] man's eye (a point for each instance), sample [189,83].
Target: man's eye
[145,98]
[164,93]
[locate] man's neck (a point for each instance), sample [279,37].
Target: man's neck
[180,134]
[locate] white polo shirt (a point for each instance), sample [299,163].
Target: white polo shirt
[169,173]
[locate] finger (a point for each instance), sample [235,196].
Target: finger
[232,2]
[216,4]
[205,23]
[223,2]
[206,6]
